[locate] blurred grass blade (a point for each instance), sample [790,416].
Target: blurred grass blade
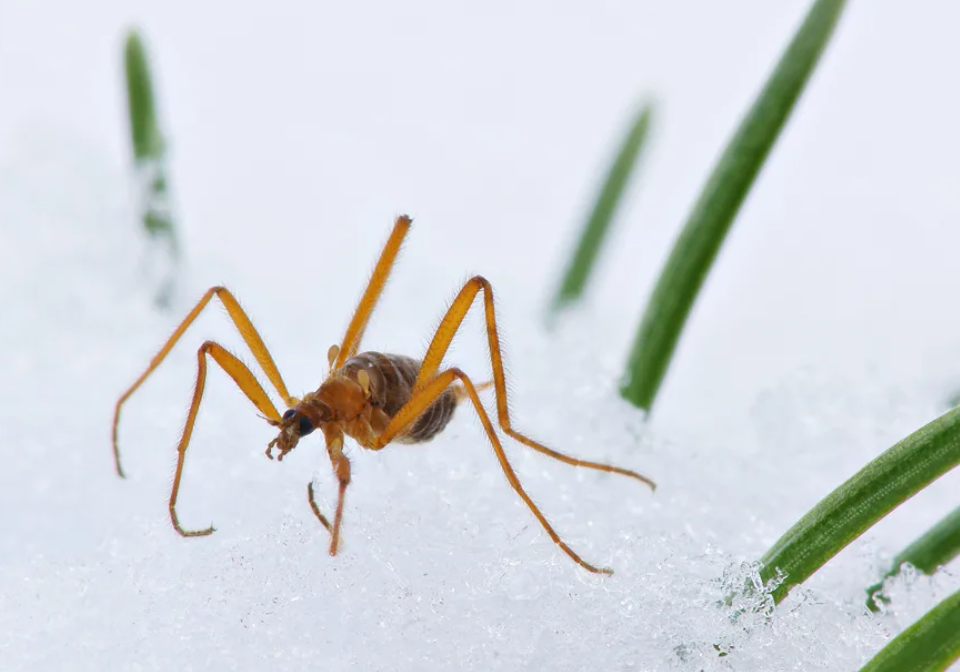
[149,153]
[931,644]
[712,215]
[872,493]
[144,131]
[937,547]
[598,224]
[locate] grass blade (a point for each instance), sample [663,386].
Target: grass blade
[150,162]
[598,224]
[719,202]
[931,644]
[141,106]
[147,140]
[937,547]
[872,493]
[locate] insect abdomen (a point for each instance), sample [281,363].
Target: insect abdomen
[391,386]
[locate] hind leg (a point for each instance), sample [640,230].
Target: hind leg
[441,343]
[425,396]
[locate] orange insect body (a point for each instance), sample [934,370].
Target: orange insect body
[362,397]
[375,398]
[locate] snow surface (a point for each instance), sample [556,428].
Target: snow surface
[827,331]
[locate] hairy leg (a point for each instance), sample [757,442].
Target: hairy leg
[341,468]
[358,324]
[426,395]
[441,343]
[316,509]
[250,336]
[247,383]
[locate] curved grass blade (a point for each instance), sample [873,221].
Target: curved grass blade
[598,224]
[141,106]
[711,218]
[150,162]
[931,644]
[872,493]
[937,547]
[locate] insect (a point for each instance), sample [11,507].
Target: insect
[375,398]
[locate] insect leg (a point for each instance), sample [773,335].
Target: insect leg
[426,395]
[381,272]
[247,383]
[250,336]
[341,467]
[316,509]
[448,328]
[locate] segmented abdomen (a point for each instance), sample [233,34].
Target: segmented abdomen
[391,385]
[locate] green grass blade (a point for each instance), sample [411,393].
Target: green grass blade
[149,154]
[715,210]
[147,141]
[141,108]
[598,224]
[872,493]
[937,547]
[931,644]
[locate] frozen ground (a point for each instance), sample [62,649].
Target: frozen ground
[827,332]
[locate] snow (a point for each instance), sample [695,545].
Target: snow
[825,334]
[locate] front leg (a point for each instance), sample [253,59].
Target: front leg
[333,434]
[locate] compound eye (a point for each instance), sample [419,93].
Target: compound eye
[305,425]
[289,414]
